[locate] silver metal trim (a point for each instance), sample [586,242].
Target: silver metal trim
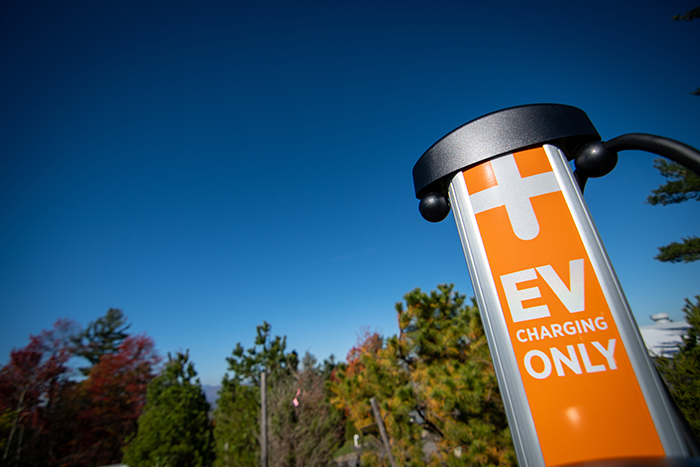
[523,431]
[647,376]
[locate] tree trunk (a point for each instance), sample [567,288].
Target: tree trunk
[382,430]
[20,407]
[18,453]
[263,419]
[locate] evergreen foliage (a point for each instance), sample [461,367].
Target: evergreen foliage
[688,15]
[683,185]
[434,381]
[305,434]
[174,428]
[686,252]
[237,425]
[267,354]
[101,337]
[682,372]
[238,410]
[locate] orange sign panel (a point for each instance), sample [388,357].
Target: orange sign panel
[583,394]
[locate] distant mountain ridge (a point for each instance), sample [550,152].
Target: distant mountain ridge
[211,393]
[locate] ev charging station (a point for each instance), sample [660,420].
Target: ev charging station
[573,371]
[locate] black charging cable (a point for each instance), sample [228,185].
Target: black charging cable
[599,158]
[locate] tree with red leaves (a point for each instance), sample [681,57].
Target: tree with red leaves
[116,387]
[48,419]
[30,385]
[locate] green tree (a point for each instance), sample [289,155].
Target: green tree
[683,185]
[174,429]
[435,381]
[682,372]
[238,409]
[305,433]
[101,337]
[689,16]
[237,425]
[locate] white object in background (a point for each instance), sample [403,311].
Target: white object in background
[664,336]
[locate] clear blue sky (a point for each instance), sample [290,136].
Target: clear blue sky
[205,166]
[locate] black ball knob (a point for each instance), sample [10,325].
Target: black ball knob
[434,207]
[593,160]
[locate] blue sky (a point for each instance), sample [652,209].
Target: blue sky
[205,166]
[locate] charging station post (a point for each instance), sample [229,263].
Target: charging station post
[574,373]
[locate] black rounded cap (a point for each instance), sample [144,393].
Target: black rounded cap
[499,133]
[434,207]
[594,160]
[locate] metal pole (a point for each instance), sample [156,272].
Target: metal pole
[263,419]
[382,430]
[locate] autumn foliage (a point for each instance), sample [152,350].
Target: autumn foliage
[116,387]
[435,384]
[50,416]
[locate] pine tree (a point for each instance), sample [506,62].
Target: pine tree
[434,381]
[238,413]
[237,417]
[689,15]
[682,372]
[683,185]
[174,429]
[302,434]
[101,337]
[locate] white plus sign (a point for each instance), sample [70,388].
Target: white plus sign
[514,192]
